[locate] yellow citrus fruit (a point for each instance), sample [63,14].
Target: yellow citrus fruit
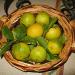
[20,51]
[35,30]
[53,33]
[42,18]
[54,47]
[38,54]
[27,19]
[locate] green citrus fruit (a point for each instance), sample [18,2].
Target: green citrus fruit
[20,51]
[54,47]
[35,30]
[42,18]
[38,54]
[27,19]
[53,33]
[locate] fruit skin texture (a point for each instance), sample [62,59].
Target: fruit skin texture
[20,51]
[27,19]
[35,30]
[42,18]
[54,47]
[38,54]
[53,33]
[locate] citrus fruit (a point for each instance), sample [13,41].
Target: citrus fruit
[38,54]
[54,47]
[42,18]
[53,33]
[35,30]
[20,51]
[27,19]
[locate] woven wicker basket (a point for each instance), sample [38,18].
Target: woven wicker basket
[62,20]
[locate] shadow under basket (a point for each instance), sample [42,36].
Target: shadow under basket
[64,23]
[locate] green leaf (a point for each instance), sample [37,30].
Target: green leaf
[5,48]
[29,40]
[53,57]
[42,42]
[62,39]
[53,20]
[7,33]
[48,25]
[31,46]
[19,32]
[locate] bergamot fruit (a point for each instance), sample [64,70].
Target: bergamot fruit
[54,47]
[20,51]
[38,54]
[53,33]
[35,30]
[27,19]
[42,18]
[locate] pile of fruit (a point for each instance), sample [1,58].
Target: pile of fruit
[37,39]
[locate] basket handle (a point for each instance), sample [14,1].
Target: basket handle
[72,22]
[3,19]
